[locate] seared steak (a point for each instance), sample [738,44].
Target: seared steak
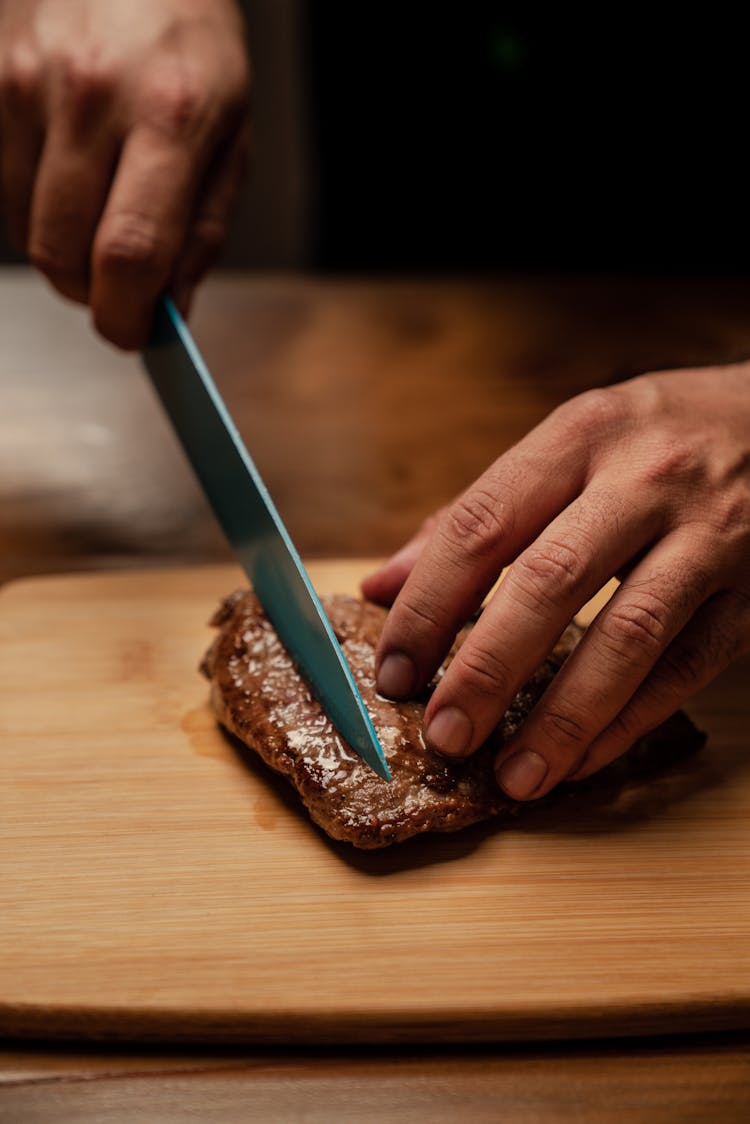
[258,695]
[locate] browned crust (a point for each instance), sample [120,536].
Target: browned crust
[259,697]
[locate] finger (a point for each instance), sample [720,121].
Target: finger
[718,634]
[384,584]
[545,587]
[487,527]
[209,227]
[21,140]
[619,650]
[74,175]
[475,537]
[141,233]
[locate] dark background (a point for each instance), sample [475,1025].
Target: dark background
[491,136]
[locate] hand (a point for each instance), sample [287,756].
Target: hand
[649,480]
[123,127]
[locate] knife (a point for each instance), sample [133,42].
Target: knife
[256,533]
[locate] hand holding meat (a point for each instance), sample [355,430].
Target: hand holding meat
[123,127]
[648,480]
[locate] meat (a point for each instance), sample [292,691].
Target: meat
[259,697]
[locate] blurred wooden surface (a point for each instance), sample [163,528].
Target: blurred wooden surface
[366,405]
[667,1082]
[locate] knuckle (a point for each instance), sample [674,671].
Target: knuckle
[20,74]
[551,572]
[50,259]
[418,616]
[88,84]
[563,727]
[642,622]
[176,103]
[476,523]
[482,672]
[674,461]
[596,412]
[132,245]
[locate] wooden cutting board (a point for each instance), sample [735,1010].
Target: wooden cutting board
[153,884]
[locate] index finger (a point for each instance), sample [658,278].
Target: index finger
[140,234]
[484,530]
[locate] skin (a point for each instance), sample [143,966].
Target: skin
[123,129]
[123,132]
[648,480]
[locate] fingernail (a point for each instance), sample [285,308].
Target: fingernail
[397,676]
[450,731]
[522,774]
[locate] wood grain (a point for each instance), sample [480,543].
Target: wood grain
[435,377]
[154,884]
[643,1082]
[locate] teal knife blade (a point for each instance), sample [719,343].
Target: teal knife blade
[254,528]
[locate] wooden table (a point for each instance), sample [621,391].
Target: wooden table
[367,404]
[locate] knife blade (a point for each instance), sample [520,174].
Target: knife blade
[253,526]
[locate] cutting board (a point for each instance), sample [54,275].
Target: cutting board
[154,883]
